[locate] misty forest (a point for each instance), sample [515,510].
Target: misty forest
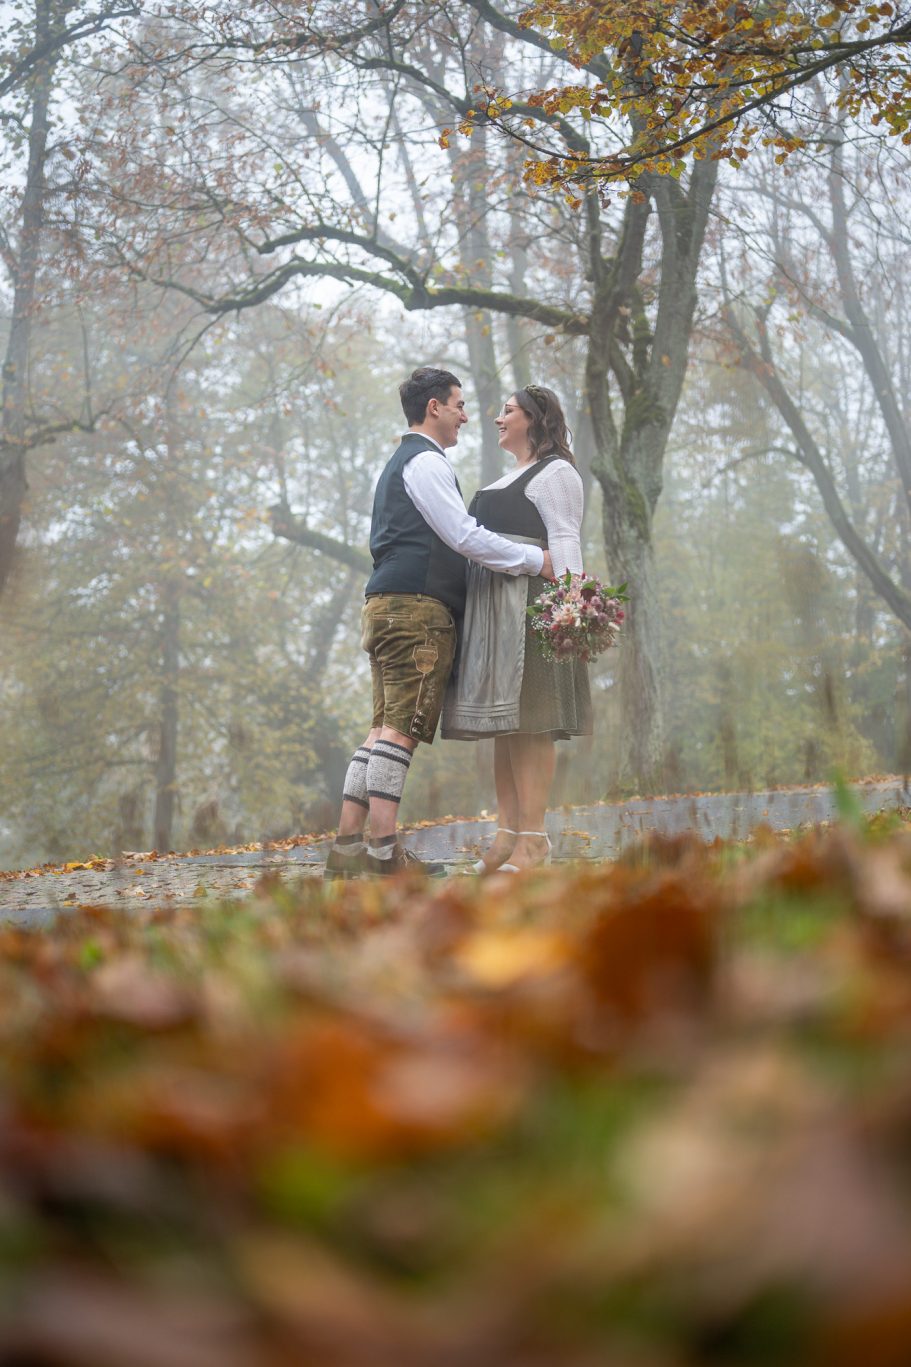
[228,232]
[632,1087]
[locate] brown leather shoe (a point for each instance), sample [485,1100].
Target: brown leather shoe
[403,861]
[341,865]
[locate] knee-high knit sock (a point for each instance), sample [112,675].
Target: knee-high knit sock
[386,774]
[355,790]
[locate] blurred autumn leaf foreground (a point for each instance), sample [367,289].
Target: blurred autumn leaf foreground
[649,1113]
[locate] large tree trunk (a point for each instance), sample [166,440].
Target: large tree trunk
[628,511]
[13,435]
[647,371]
[642,760]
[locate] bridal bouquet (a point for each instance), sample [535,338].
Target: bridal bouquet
[577,617]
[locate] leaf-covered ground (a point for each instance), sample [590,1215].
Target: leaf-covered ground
[652,1113]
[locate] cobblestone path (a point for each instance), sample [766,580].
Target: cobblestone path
[596,832]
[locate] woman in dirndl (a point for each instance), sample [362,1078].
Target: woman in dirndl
[502,687]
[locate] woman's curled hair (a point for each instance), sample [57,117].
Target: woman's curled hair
[548,434]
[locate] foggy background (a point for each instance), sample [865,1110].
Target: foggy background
[204,319]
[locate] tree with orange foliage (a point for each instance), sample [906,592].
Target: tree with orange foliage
[705,79]
[301,179]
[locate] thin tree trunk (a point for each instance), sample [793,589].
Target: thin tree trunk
[166,764]
[483,361]
[862,332]
[470,175]
[903,714]
[170,596]
[13,439]
[516,331]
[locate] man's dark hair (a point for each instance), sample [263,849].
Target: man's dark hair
[422,385]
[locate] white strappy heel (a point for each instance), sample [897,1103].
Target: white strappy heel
[480,866]
[514,868]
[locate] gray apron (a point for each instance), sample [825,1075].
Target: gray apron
[486,682]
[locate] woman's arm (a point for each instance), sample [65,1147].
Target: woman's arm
[557,494]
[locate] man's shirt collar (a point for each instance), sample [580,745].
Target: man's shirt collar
[411,433]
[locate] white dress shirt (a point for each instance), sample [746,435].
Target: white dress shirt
[558,495]
[430,483]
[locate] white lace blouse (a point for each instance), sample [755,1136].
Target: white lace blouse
[557,494]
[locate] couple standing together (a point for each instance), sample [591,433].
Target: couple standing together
[448,637]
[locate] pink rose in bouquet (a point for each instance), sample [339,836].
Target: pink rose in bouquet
[577,617]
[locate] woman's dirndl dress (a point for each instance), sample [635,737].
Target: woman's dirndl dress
[501,683]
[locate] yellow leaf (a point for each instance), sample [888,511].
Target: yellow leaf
[498,958]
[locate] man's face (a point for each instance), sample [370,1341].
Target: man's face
[448,417]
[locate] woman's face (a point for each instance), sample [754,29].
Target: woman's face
[513,424]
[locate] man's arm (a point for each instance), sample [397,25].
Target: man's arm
[430,484]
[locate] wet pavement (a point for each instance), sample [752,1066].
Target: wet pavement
[595,832]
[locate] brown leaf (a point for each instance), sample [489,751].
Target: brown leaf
[335,1315]
[365,1092]
[73,1319]
[126,989]
[654,950]
[880,880]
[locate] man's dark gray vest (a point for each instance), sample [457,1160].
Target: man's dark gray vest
[408,556]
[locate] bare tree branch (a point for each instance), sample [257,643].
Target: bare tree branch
[291,528]
[809,455]
[597,66]
[47,47]
[413,297]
